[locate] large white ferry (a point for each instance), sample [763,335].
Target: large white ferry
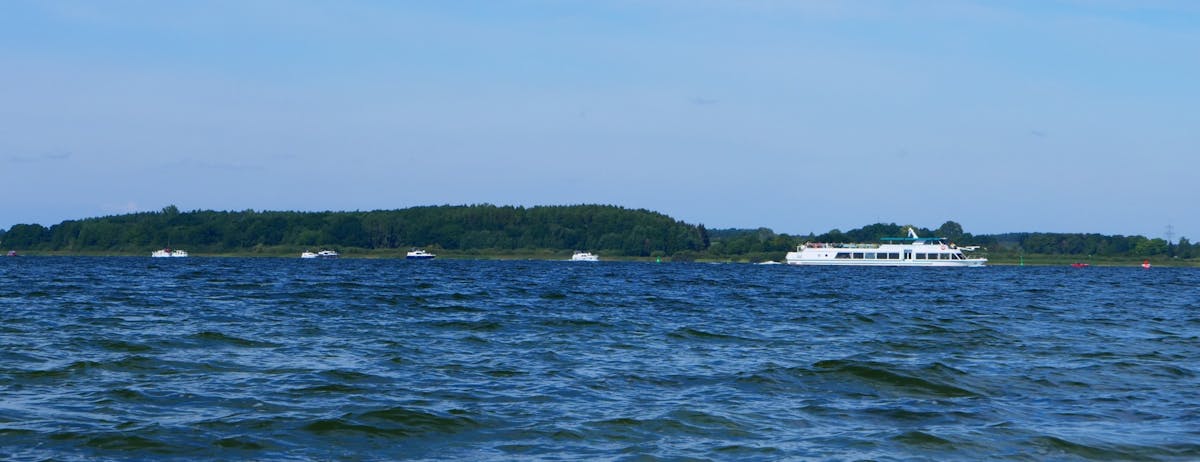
[894,251]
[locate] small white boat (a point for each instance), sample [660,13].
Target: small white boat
[168,253]
[327,254]
[584,256]
[307,254]
[894,251]
[419,254]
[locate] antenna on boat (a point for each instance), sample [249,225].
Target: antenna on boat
[912,232]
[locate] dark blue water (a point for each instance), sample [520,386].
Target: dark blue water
[285,359]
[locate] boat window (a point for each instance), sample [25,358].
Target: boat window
[893,256]
[920,256]
[870,256]
[843,255]
[944,256]
[858,255]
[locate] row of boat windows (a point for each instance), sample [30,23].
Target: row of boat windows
[896,256]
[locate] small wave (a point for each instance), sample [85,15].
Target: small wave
[922,439]
[221,338]
[123,346]
[504,373]
[239,444]
[677,423]
[331,388]
[1054,444]
[917,416]
[340,376]
[128,442]
[68,370]
[126,395]
[749,452]
[689,333]
[456,308]
[882,374]
[474,326]
[567,322]
[396,422]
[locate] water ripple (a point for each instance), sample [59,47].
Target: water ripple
[282,359]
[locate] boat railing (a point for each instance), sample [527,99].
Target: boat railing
[835,245]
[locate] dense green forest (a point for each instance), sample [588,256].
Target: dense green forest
[609,229]
[484,229]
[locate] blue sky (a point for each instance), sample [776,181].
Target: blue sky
[1066,116]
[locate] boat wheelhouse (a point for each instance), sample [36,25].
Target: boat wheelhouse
[893,251]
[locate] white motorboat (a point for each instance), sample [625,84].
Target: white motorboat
[327,254]
[894,251]
[168,253]
[584,256]
[307,254]
[419,254]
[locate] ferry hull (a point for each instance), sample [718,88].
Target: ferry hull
[974,262]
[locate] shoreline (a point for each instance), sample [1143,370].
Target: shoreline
[1030,260]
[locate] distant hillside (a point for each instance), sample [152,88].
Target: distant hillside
[610,229]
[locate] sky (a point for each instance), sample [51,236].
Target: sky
[800,116]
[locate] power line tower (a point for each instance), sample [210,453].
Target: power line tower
[1170,234]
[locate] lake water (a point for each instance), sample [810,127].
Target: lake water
[289,359]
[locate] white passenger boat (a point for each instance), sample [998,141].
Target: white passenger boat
[584,256]
[894,251]
[166,253]
[419,254]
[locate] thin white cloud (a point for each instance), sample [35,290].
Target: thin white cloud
[197,164]
[45,157]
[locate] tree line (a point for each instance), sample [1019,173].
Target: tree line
[612,230]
